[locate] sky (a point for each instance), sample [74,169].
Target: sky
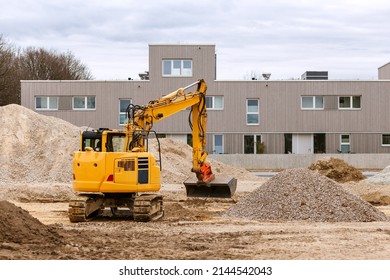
[348,38]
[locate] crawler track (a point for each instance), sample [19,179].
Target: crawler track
[148,207]
[143,208]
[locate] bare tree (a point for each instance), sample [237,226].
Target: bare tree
[35,64]
[40,64]
[9,82]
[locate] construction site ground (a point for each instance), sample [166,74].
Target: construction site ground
[193,229]
[299,215]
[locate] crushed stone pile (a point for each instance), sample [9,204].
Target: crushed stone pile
[337,169]
[176,159]
[18,226]
[34,147]
[302,194]
[381,178]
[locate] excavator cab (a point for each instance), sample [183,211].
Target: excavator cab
[113,141]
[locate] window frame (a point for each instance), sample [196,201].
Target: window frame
[252,113]
[351,106]
[382,138]
[314,98]
[47,97]
[85,103]
[345,143]
[173,69]
[212,97]
[123,113]
[223,143]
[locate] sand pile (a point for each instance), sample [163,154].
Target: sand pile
[177,163]
[381,178]
[18,226]
[38,149]
[35,148]
[337,169]
[301,194]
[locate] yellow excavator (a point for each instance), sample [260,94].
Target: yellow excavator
[114,170]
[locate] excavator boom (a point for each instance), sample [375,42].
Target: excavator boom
[141,120]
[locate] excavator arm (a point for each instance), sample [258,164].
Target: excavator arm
[142,118]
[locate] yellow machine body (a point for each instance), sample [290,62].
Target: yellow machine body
[113,172]
[113,169]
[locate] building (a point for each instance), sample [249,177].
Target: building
[315,75]
[244,117]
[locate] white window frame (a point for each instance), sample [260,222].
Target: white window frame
[254,143]
[223,145]
[385,144]
[345,143]
[175,71]
[85,102]
[213,99]
[350,102]
[123,113]
[252,113]
[314,102]
[48,98]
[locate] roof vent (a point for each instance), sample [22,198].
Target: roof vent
[266,76]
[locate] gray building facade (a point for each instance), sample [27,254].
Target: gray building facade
[244,117]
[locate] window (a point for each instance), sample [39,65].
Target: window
[46,102]
[385,139]
[83,103]
[252,111]
[177,68]
[123,104]
[218,144]
[115,142]
[214,102]
[349,102]
[345,145]
[253,144]
[312,102]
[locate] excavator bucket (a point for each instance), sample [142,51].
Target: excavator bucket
[220,187]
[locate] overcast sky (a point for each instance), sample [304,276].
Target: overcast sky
[348,38]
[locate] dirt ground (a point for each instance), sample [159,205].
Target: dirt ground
[193,229]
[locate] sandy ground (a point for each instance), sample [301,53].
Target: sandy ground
[192,229]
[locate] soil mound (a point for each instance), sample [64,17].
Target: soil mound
[337,169]
[18,226]
[381,178]
[35,148]
[301,194]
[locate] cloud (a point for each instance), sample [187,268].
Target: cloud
[348,38]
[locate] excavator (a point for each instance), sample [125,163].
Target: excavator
[114,170]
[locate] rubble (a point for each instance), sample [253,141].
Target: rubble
[302,194]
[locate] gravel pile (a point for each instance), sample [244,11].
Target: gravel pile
[302,194]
